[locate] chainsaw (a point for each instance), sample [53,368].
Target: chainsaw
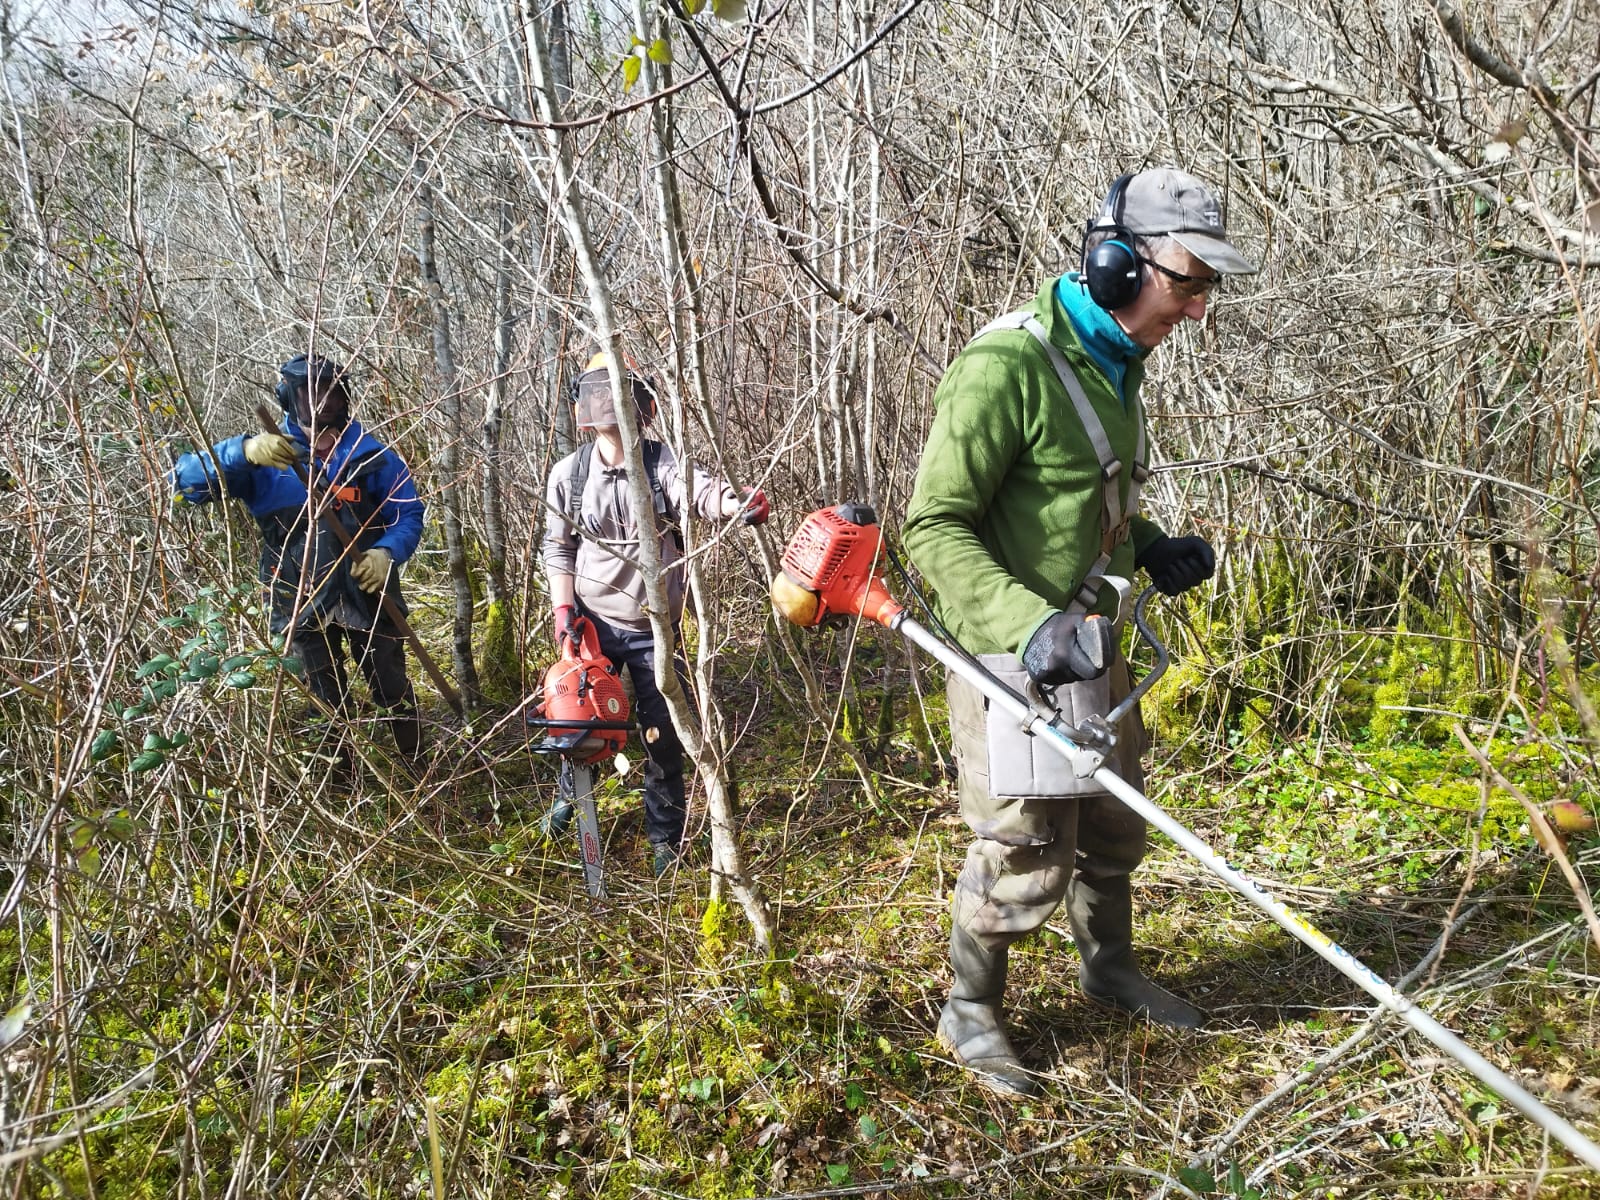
[584,712]
[830,570]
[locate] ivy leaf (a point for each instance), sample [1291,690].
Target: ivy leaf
[104,745]
[1197,1179]
[148,761]
[240,679]
[660,51]
[155,666]
[238,662]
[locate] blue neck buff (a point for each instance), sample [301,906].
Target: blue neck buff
[1098,330]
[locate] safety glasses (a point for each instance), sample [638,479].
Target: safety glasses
[1190,286]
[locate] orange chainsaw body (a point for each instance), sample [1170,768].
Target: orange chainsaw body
[582,686]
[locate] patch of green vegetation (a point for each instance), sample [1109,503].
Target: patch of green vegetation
[500,667]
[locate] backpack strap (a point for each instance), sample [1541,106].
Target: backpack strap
[665,517]
[1114,515]
[652,469]
[576,482]
[579,480]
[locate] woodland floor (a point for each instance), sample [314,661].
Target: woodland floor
[409,984]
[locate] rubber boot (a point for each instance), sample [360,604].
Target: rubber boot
[971,1025]
[1101,914]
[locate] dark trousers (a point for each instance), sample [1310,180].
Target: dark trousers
[664,806]
[381,656]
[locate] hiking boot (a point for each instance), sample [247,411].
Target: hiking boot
[558,820]
[664,857]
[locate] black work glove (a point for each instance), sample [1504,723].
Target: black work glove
[1069,648]
[1177,564]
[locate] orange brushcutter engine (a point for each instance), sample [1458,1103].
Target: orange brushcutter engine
[583,687]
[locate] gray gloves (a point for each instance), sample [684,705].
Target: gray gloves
[1070,648]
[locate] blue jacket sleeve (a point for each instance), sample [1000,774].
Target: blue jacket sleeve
[401,508]
[195,475]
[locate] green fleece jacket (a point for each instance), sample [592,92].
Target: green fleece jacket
[1005,517]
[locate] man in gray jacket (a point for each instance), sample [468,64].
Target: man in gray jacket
[590,551]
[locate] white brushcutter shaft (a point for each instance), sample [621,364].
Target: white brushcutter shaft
[1325,947]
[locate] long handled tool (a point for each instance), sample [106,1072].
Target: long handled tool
[584,711]
[317,501]
[830,568]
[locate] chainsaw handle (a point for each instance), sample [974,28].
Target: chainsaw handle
[580,640]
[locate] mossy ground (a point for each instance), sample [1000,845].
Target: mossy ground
[303,972]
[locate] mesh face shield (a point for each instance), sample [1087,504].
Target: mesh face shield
[315,393]
[592,404]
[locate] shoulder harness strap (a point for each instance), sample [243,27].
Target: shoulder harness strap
[1114,515]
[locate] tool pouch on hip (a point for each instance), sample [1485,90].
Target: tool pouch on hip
[1022,765]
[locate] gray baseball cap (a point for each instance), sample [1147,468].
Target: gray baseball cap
[1166,200]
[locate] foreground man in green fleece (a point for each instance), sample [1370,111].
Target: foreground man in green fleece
[1026,497]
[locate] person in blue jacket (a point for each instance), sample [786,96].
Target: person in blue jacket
[324,596]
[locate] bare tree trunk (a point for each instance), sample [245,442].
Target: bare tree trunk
[683,307]
[449,446]
[684,719]
[505,323]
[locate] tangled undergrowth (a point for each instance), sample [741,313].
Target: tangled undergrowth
[230,978]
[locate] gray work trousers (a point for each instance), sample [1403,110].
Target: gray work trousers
[1026,852]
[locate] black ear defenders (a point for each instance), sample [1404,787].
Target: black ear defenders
[1111,269]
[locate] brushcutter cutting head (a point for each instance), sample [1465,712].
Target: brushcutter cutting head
[830,569]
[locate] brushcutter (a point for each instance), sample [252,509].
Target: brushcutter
[830,569]
[584,712]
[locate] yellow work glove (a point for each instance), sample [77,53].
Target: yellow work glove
[271,450]
[371,568]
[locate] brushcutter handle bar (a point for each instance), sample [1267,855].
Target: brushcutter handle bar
[1163,659]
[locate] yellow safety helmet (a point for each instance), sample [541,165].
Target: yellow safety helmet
[591,393]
